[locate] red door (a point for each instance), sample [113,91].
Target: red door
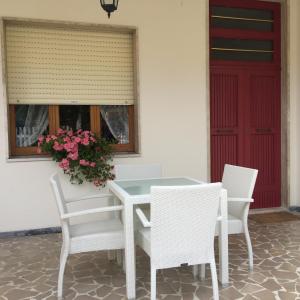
[245,127]
[245,94]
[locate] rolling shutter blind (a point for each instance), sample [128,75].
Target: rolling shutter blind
[47,65]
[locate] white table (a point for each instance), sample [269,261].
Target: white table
[134,192]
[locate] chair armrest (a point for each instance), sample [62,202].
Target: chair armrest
[240,199]
[88,197]
[143,218]
[91,211]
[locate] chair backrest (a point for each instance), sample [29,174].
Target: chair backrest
[60,202]
[239,183]
[138,171]
[58,194]
[183,224]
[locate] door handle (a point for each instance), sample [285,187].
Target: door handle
[263,130]
[225,130]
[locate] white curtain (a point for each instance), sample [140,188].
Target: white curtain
[32,121]
[116,118]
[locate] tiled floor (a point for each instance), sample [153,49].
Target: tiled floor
[29,265]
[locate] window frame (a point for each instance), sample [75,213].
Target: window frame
[54,125]
[235,33]
[95,119]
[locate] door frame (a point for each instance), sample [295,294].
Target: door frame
[285,101]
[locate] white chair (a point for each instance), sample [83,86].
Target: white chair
[239,183]
[88,236]
[138,171]
[178,215]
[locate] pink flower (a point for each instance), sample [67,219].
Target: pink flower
[79,131]
[73,156]
[93,164]
[70,147]
[93,139]
[70,133]
[77,140]
[60,131]
[53,137]
[41,138]
[84,162]
[57,146]
[64,164]
[85,141]
[97,182]
[48,139]
[67,146]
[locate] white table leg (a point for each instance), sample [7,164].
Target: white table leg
[129,249]
[223,241]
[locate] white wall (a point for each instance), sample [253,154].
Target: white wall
[294,92]
[173,99]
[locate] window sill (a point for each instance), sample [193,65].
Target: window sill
[127,154]
[27,159]
[43,158]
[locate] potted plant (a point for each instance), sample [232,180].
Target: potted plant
[81,154]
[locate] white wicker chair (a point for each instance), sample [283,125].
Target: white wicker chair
[178,215]
[138,171]
[239,183]
[88,236]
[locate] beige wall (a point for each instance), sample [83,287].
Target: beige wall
[294,100]
[173,98]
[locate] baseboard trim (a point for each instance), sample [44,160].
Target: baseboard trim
[50,230]
[30,232]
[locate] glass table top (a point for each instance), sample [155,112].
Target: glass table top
[142,187]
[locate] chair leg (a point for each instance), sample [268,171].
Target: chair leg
[202,272]
[214,280]
[249,246]
[111,255]
[62,264]
[119,257]
[195,270]
[123,261]
[153,283]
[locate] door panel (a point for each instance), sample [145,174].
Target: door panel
[227,146]
[263,136]
[225,118]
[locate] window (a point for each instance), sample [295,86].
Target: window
[244,32]
[242,18]
[69,77]
[241,49]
